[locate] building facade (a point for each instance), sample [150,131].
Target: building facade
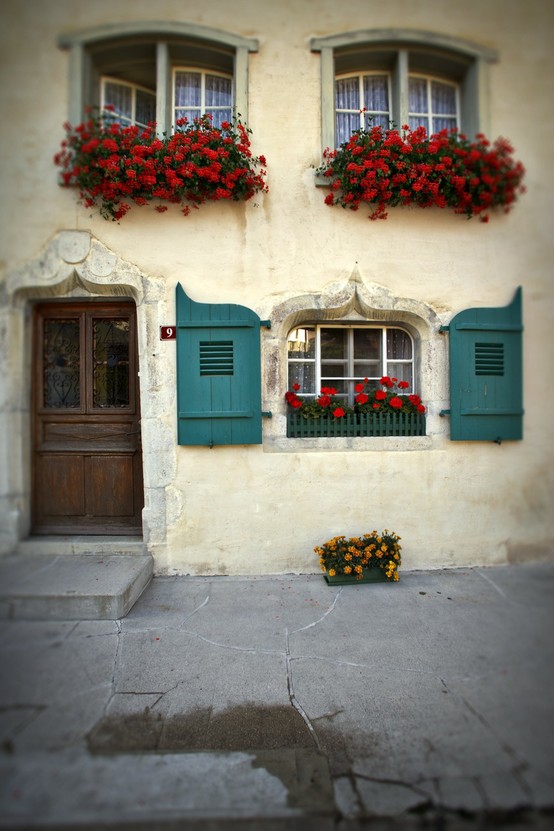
[112,428]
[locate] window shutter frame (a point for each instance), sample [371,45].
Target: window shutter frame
[218,373]
[486,373]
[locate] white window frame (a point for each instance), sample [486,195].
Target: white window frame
[162,35]
[360,110]
[430,115]
[107,79]
[351,379]
[203,108]
[471,60]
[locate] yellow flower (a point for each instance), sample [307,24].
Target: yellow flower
[358,569]
[347,569]
[348,556]
[332,572]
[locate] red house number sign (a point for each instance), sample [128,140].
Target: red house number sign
[168,332]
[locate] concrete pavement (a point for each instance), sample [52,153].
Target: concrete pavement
[284,703]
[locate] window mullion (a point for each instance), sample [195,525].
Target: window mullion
[163,88]
[361,100]
[317,360]
[400,102]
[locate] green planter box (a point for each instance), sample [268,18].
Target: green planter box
[356,424]
[370,575]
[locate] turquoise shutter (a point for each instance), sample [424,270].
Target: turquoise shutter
[218,373]
[486,383]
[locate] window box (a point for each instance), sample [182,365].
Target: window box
[369,575]
[356,425]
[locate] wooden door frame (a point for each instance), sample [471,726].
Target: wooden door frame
[85,308]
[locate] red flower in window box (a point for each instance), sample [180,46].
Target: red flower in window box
[388,168]
[113,166]
[328,404]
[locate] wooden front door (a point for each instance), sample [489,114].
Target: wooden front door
[87,466]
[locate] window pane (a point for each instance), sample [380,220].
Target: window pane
[188,89]
[401,371]
[110,373]
[332,371]
[444,123]
[301,343]
[218,91]
[418,121]
[303,374]
[367,344]
[399,344]
[346,124]
[376,93]
[120,97]
[61,364]
[347,94]
[334,344]
[190,115]
[219,116]
[376,120]
[145,107]
[367,369]
[418,95]
[443,97]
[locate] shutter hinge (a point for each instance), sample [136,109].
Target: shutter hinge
[267,413]
[444,329]
[266,323]
[444,413]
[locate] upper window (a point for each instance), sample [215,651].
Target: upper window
[364,101]
[159,72]
[341,356]
[401,77]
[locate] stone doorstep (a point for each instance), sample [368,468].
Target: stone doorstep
[72,586]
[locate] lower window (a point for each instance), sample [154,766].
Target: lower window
[342,355]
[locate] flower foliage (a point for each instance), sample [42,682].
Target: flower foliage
[389,168]
[390,398]
[351,556]
[115,166]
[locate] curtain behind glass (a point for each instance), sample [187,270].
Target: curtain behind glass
[120,97]
[192,100]
[347,104]
[376,101]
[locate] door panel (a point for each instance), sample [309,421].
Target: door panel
[87,466]
[61,481]
[111,486]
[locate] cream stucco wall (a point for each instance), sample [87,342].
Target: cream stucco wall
[262,509]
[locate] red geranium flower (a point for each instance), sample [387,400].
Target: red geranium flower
[338,412]
[396,402]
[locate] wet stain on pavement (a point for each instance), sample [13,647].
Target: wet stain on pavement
[244,727]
